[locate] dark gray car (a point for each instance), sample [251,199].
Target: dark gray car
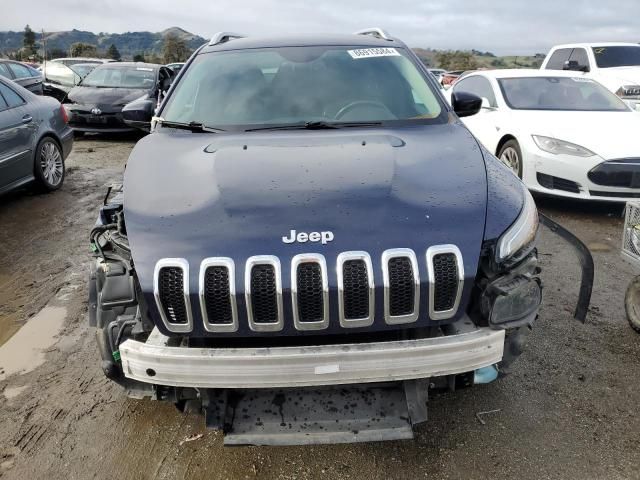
[23,75]
[35,139]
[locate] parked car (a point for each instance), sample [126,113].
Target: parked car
[614,65]
[75,60]
[35,139]
[96,104]
[175,67]
[24,75]
[307,219]
[563,134]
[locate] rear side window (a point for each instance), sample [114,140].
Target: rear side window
[11,97]
[477,85]
[4,70]
[580,55]
[20,71]
[558,59]
[3,104]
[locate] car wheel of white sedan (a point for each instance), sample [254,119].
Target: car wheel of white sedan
[511,156]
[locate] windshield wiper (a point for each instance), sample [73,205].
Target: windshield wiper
[191,126]
[316,125]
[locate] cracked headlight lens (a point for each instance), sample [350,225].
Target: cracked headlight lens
[558,147]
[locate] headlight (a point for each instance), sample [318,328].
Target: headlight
[557,147]
[629,91]
[522,232]
[507,301]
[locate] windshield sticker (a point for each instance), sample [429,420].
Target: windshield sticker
[373,52]
[584,80]
[145,69]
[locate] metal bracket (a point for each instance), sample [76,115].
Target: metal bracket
[375,32]
[224,37]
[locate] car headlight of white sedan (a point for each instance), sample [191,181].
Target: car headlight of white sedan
[560,147]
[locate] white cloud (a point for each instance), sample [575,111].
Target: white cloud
[501,26]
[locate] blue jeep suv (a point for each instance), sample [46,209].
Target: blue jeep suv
[309,241]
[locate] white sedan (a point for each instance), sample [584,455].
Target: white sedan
[563,134]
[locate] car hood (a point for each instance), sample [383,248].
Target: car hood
[193,196]
[104,97]
[615,77]
[608,134]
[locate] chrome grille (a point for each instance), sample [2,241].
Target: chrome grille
[310,290]
[631,233]
[402,286]
[446,278]
[218,295]
[355,289]
[171,291]
[263,291]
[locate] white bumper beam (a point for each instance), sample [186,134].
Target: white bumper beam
[155,362]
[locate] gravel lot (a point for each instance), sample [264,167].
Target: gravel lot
[568,410]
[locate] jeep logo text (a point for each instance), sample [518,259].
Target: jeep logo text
[304,237]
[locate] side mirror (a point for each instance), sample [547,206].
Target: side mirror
[574,66]
[138,114]
[465,104]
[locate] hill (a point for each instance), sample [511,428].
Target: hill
[129,43]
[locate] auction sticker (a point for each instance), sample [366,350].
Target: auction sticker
[373,52]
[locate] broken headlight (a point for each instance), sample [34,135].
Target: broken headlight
[522,232]
[511,300]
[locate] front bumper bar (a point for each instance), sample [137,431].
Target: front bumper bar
[158,363]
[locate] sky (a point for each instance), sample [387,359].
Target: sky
[501,26]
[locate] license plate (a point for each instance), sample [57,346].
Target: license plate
[96,119]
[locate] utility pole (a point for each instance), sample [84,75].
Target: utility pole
[44,47]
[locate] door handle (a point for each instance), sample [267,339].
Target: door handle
[27,119]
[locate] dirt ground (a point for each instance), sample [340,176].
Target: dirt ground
[568,410]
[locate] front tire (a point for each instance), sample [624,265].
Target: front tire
[511,155]
[49,167]
[632,303]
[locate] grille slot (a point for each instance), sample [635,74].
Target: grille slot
[446,276]
[171,291]
[217,295]
[402,286]
[309,292]
[263,290]
[355,289]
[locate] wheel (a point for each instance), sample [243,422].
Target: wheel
[632,303]
[49,165]
[511,155]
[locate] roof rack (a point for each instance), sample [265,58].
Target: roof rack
[223,37]
[375,32]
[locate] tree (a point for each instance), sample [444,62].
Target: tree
[138,57]
[174,49]
[456,60]
[113,52]
[29,41]
[80,49]
[56,53]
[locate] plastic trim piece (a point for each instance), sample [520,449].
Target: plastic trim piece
[355,322]
[264,260]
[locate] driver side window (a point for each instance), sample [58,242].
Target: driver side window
[479,86]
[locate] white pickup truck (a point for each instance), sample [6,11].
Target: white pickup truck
[614,65]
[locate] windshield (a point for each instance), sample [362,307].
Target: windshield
[622,56]
[108,76]
[83,69]
[559,93]
[293,85]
